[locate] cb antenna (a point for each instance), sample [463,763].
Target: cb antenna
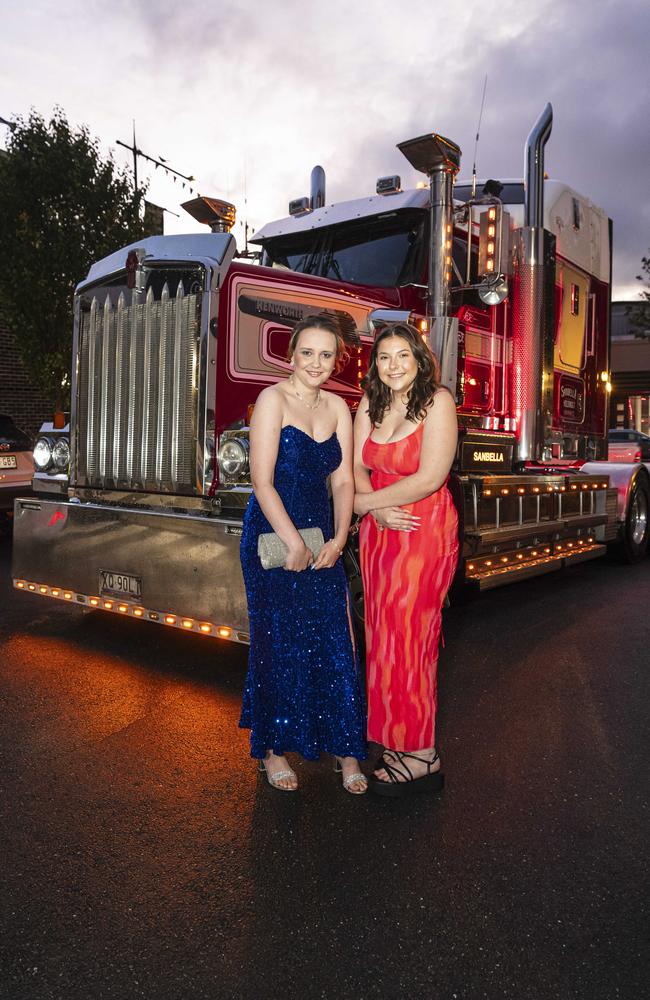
[478,130]
[245,205]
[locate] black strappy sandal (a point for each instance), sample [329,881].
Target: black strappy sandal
[400,778]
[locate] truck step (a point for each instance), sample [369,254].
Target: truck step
[498,575]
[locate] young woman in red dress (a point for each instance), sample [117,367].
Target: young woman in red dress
[405,441]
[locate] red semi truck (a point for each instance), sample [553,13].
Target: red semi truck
[140,498]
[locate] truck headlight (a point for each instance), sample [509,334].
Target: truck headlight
[61,455]
[232,459]
[42,453]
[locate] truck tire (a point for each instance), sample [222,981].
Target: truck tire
[636,528]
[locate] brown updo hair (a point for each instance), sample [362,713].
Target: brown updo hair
[424,387]
[321,321]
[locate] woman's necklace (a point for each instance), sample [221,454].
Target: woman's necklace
[310,406]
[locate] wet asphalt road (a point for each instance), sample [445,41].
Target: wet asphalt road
[143,857]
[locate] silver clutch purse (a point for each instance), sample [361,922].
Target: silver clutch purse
[273,552]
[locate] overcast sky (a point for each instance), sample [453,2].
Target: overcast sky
[248,95]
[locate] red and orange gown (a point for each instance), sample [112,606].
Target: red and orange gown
[406,575]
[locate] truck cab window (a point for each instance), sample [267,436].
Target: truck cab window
[383,251]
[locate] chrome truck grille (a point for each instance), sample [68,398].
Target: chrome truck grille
[136,424]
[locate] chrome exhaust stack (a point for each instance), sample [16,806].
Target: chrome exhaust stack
[317,188]
[439,159]
[533,304]
[316,199]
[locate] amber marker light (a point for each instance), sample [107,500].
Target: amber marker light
[487,493]
[187,623]
[31,586]
[535,489]
[55,592]
[224,632]
[122,608]
[471,566]
[43,590]
[505,491]
[488,562]
[94,601]
[170,620]
[573,486]
[138,612]
[108,605]
[20,585]
[504,559]
[67,595]
[519,555]
[521,489]
[205,628]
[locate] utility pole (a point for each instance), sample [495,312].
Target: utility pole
[136,152]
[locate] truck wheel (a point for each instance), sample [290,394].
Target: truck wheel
[634,532]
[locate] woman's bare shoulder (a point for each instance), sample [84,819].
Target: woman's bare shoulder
[269,405]
[273,395]
[337,402]
[442,398]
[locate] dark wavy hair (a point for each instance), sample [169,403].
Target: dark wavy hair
[423,389]
[322,321]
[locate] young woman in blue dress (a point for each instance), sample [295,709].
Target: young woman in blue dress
[303,690]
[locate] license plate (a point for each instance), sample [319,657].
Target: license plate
[7,461]
[119,584]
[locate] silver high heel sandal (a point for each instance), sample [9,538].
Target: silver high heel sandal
[351,779]
[273,779]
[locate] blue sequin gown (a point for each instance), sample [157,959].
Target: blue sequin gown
[303,690]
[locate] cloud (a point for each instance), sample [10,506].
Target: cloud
[249,96]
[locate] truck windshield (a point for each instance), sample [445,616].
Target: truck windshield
[383,251]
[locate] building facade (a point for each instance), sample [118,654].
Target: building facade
[630,367]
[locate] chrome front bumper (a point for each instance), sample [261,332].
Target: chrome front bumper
[188,565]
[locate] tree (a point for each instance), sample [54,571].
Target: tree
[62,206]
[639,313]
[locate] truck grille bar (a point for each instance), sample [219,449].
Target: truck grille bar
[137,392]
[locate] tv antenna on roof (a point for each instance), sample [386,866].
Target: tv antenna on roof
[478,129]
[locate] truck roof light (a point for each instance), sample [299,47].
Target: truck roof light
[299,206]
[389,185]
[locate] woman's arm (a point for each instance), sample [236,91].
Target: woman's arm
[439,439]
[362,429]
[342,485]
[265,429]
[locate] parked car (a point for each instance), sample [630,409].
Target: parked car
[628,446]
[16,467]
